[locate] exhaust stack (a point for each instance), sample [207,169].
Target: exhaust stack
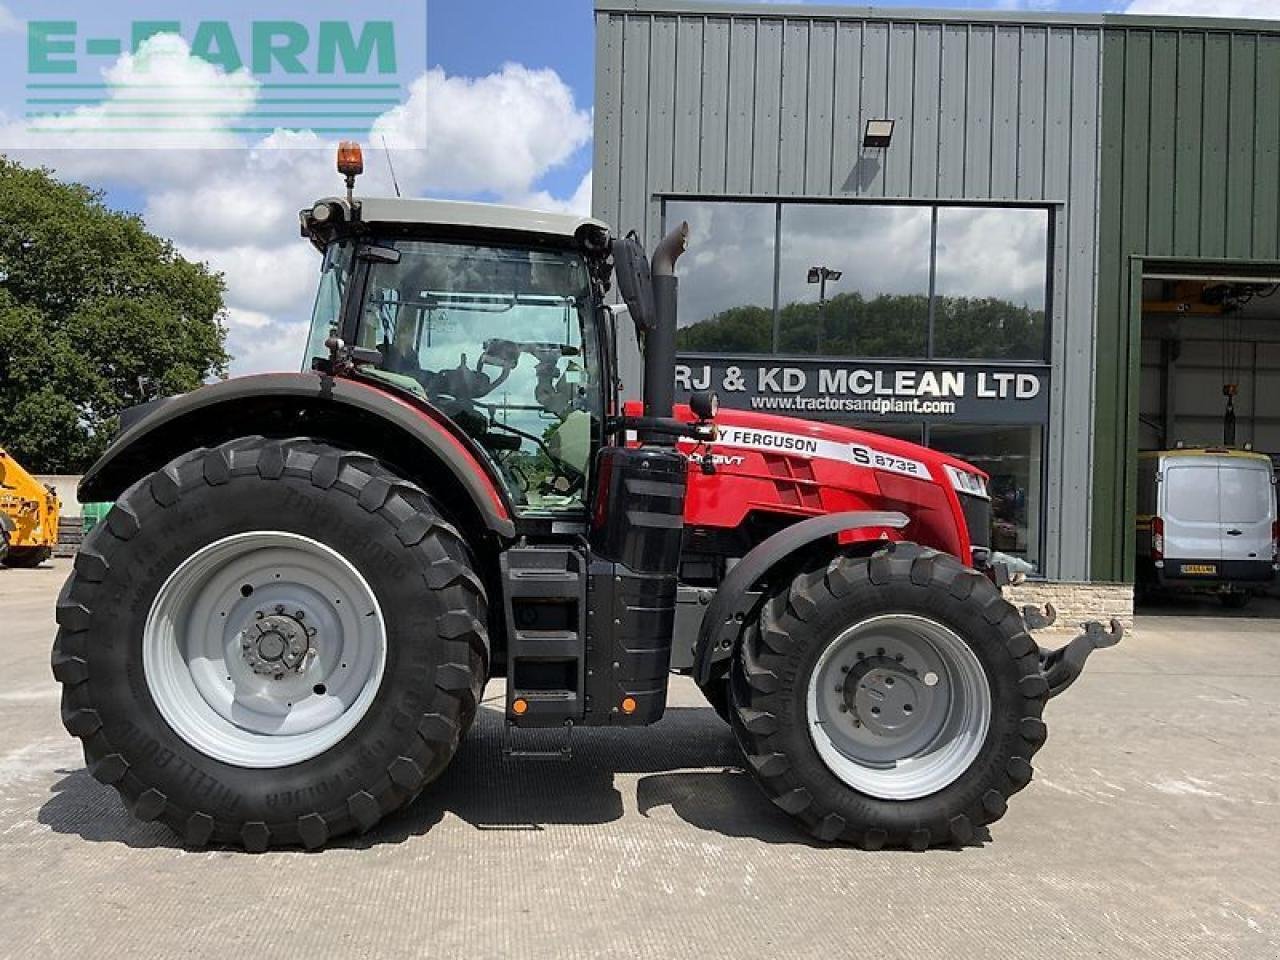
[660,341]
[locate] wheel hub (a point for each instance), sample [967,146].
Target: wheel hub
[898,706]
[276,644]
[885,697]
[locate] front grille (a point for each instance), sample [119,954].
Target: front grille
[977,517]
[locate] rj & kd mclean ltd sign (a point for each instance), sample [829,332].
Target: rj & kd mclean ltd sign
[974,393]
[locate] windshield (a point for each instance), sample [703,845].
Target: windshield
[497,338]
[327,314]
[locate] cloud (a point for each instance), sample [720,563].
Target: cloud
[1262,9]
[8,22]
[494,136]
[580,202]
[271,348]
[1026,4]
[274,278]
[497,134]
[165,69]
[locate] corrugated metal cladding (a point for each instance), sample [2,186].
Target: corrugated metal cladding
[703,101]
[1190,169]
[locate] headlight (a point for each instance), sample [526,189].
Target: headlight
[964,482]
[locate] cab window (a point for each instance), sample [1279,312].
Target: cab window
[501,339]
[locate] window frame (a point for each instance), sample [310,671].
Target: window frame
[1047,209]
[595,338]
[1041,526]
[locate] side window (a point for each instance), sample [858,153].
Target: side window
[501,340]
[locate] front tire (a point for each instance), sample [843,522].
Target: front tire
[271,643]
[937,712]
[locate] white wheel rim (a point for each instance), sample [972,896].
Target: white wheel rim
[211,638]
[898,706]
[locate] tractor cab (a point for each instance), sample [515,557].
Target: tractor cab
[492,315]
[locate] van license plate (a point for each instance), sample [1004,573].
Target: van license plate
[1202,569]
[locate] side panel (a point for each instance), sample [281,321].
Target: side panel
[1248,509]
[1190,509]
[1191,137]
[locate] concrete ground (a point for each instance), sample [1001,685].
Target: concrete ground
[1152,829]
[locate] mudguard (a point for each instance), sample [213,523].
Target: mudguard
[238,407]
[736,595]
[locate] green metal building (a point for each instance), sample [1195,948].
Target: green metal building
[1056,202]
[1190,186]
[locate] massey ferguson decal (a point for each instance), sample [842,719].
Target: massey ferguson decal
[813,447]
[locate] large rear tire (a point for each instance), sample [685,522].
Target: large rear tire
[271,643]
[893,700]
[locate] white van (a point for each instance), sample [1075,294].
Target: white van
[1207,522]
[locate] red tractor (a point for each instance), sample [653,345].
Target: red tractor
[281,630]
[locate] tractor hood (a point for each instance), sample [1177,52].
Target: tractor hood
[763,465]
[810,439]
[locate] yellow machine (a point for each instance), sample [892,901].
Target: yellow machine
[28,516]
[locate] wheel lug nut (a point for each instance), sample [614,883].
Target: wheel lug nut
[299,615]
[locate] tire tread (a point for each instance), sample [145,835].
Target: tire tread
[419,525]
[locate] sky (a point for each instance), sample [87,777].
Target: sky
[504,98]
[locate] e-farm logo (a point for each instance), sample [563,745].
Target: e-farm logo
[274,44]
[213,80]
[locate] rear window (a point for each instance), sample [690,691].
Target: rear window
[1191,493]
[1246,494]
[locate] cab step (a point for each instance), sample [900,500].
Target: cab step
[546,603]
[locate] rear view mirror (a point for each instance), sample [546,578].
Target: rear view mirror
[631,267]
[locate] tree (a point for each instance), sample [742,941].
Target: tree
[96,315]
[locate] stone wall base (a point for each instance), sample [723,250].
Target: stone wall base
[1077,602]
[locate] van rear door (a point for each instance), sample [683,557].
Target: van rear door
[1247,506]
[1191,509]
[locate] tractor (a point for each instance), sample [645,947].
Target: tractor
[281,631]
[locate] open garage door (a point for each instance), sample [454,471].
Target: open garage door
[1209,437]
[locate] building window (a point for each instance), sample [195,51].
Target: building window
[879,306]
[990,283]
[919,281]
[726,278]
[1012,457]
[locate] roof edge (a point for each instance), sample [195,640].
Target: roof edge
[805,11]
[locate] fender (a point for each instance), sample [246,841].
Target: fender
[297,404]
[721,625]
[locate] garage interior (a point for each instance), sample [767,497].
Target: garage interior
[1210,364]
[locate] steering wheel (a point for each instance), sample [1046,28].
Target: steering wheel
[560,471]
